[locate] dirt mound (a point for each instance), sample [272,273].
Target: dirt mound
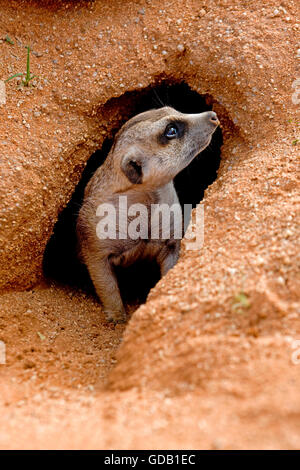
[210,361]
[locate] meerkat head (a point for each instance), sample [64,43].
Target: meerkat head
[153,147]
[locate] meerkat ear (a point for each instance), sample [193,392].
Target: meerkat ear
[132,166]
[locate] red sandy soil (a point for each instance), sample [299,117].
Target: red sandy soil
[195,369]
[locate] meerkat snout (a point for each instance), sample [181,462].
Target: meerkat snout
[213,118]
[148,152]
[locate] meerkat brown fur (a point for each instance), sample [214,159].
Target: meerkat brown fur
[148,152]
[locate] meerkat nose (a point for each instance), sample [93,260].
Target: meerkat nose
[213,118]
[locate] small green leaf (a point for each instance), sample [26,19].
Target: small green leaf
[240,302]
[8,40]
[41,336]
[28,64]
[14,76]
[295,142]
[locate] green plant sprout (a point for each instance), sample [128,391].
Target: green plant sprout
[240,302]
[8,40]
[27,76]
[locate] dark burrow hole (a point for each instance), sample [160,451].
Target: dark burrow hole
[60,260]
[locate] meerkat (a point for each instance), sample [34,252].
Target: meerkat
[148,152]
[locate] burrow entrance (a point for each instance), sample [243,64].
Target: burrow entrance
[60,260]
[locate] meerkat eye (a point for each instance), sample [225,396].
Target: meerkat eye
[171,131]
[174,130]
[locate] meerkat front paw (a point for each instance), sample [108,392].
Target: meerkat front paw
[115,316]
